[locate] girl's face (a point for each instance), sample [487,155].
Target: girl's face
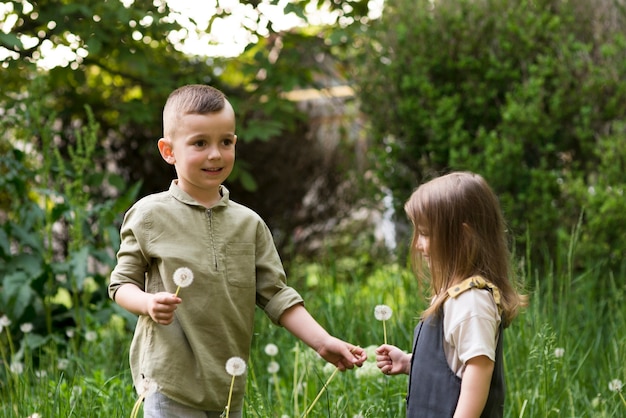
[422,243]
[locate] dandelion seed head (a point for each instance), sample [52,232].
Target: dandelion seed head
[41,374]
[91,335]
[595,402]
[273,367]
[235,366]
[69,333]
[17,367]
[35,415]
[183,276]
[615,385]
[382,312]
[559,352]
[4,321]
[271,349]
[63,364]
[26,327]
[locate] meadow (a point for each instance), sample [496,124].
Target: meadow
[565,354]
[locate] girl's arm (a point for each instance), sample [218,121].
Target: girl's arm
[301,324]
[474,387]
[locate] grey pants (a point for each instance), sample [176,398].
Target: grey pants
[158,405]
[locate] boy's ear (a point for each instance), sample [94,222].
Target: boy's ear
[165,148]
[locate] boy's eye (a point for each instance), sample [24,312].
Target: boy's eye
[227,142]
[200,143]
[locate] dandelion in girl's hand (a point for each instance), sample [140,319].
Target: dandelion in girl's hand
[183,277]
[383,313]
[235,366]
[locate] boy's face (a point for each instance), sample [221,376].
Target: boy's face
[202,148]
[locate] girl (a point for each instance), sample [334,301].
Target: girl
[456,365]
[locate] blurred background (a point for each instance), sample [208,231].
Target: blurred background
[343,108]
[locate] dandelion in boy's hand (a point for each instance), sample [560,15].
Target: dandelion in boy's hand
[306,413]
[559,352]
[235,366]
[383,313]
[183,277]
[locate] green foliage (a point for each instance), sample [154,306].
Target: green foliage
[560,354]
[530,94]
[56,238]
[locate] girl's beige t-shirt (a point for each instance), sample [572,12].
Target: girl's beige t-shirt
[471,322]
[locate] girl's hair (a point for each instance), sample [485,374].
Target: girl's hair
[190,99]
[467,237]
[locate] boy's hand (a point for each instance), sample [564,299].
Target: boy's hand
[342,354]
[161,307]
[391,360]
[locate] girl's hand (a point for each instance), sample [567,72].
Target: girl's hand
[391,360]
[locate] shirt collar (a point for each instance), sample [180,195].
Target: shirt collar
[183,197]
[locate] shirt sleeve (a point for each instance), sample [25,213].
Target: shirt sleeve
[274,296]
[131,263]
[471,322]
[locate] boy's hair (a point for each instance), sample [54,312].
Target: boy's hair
[190,99]
[467,237]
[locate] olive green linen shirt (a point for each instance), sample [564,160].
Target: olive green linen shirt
[235,265]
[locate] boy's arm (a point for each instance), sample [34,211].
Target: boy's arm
[474,387]
[159,306]
[301,324]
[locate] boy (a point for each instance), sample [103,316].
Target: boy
[183,343]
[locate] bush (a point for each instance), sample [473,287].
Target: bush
[56,239]
[530,94]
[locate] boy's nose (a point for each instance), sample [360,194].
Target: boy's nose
[213,153]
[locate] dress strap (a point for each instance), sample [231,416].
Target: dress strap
[475,282]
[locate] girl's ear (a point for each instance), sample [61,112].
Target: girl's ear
[166,150]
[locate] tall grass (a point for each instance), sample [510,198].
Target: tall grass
[561,353]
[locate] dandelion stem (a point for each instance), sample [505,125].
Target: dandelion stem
[320,393]
[177,290]
[230,395]
[277,388]
[384,332]
[295,382]
[136,407]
